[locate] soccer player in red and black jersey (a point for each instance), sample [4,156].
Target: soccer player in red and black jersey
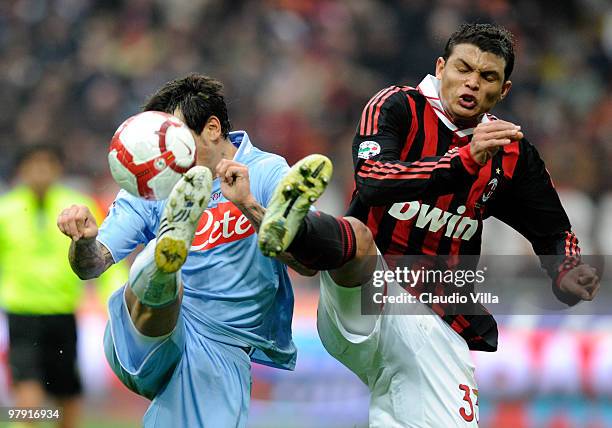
[431,164]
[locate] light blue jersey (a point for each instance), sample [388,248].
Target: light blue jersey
[232,293]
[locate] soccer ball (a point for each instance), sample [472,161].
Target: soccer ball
[149,153]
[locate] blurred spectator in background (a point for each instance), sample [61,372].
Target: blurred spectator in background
[38,289]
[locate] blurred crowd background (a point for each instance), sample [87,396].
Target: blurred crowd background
[297,74]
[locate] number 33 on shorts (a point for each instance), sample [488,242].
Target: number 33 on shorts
[469,410]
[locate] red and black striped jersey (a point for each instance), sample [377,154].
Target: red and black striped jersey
[420,192]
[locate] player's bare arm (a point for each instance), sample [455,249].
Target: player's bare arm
[490,136]
[88,258]
[235,186]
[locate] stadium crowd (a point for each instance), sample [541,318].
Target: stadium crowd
[297,72]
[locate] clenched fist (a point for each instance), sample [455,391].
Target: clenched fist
[235,183]
[582,282]
[490,136]
[77,222]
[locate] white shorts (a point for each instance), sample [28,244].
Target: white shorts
[419,371]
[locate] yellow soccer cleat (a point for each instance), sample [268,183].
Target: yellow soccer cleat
[297,191]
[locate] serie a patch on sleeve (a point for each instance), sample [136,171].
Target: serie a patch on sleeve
[368,149]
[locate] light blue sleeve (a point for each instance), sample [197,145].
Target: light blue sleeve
[130,221]
[269,172]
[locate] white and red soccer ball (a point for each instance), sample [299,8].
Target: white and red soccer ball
[149,153]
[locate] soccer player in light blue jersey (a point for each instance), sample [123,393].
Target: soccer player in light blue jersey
[202,302]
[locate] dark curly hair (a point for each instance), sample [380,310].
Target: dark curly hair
[197,96]
[488,38]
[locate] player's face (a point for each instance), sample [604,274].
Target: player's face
[208,151]
[471,83]
[39,171]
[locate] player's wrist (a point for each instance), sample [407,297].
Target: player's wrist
[467,160]
[246,202]
[560,289]
[86,241]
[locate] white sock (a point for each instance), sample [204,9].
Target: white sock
[151,286]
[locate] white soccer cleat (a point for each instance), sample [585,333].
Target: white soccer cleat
[186,203]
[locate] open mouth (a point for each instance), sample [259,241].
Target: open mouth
[467,101]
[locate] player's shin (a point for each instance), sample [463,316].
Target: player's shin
[323,242]
[153,287]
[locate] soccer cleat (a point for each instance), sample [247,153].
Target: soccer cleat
[186,203]
[297,191]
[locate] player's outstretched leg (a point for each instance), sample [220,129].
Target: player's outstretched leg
[291,201]
[144,345]
[342,245]
[154,283]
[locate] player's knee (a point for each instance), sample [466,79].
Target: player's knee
[363,238]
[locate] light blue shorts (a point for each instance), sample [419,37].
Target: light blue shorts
[193,381]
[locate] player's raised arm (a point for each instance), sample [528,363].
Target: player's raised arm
[389,132]
[88,258]
[534,210]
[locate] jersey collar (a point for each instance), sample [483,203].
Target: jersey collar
[430,89]
[240,140]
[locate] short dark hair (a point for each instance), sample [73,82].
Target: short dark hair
[488,38]
[27,151]
[197,96]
